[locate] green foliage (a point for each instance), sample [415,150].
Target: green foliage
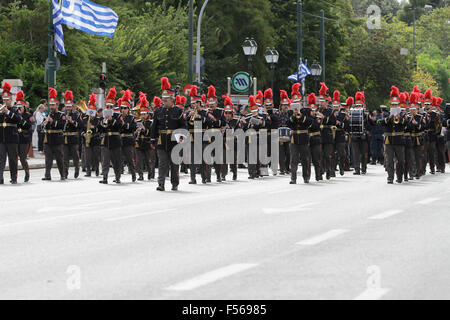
[388,7]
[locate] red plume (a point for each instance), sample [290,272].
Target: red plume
[359,96]
[119,102]
[68,95]
[323,89]
[439,101]
[416,89]
[336,95]
[428,94]
[227,101]
[434,101]
[251,101]
[312,98]
[350,101]
[402,98]
[283,95]
[6,87]
[127,95]
[259,95]
[183,100]
[165,84]
[20,96]
[406,95]
[268,94]
[52,94]
[111,94]
[193,91]
[211,92]
[143,100]
[413,98]
[92,99]
[203,98]
[394,92]
[178,100]
[157,102]
[296,89]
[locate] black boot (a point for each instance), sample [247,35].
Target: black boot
[104,181]
[193,182]
[141,177]
[46,179]
[234,176]
[390,181]
[2,181]
[160,188]
[27,176]
[219,179]
[293,182]
[133,177]
[88,174]
[97,172]
[77,173]
[175,188]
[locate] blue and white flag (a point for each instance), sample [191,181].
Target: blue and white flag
[89,17]
[83,15]
[303,71]
[57,22]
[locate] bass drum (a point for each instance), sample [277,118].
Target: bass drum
[357,121]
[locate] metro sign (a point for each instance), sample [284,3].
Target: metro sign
[241,81]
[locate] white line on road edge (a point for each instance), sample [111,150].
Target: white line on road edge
[386,214]
[139,215]
[427,201]
[322,237]
[289,209]
[372,294]
[211,277]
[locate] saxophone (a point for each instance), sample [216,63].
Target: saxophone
[88,133]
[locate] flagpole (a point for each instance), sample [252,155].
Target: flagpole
[51,59]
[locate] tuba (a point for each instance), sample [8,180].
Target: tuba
[81,106]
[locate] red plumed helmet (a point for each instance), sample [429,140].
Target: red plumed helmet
[157,102]
[336,98]
[227,102]
[284,97]
[395,92]
[110,98]
[312,99]
[323,89]
[127,95]
[212,99]
[402,98]
[20,96]
[416,89]
[268,97]
[413,98]
[434,101]
[68,98]
[92,101]
[350,101]
[178,100]
[143,100]
[52,94]
[259,98]
[194,95]
[183,100]
[439,101]
[165,87]
[406,95]
[428,94]
[252,103]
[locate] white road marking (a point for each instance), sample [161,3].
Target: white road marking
[372,294]
[139,215]
[76,208]
[427,201]
[385,214]
[289,209]
[211,277]
[322,237]
[282,191]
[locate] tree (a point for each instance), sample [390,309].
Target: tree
[388,7]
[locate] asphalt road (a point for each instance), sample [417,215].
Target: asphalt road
[353,237]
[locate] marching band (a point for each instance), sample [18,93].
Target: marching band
[320,132]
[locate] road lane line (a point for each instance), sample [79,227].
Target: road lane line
[372,294]
[211,277]
[427,201]
[322,237]
[289,209]
[385,214]
[139,215]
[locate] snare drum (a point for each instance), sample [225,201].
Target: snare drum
[285,134]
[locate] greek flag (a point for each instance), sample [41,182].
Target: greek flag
[57,22]
[303,71]
[83,15]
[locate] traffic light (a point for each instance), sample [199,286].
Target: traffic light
[102,81]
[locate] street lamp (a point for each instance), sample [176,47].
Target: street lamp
[271,56]
[316,71]
[250,48]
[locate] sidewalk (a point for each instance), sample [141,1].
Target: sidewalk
[38,162]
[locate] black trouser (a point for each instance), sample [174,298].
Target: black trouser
[10,150]
[410,162]
[399,152]
[23,153]
[233,165]
[146,158]
[71,152]
[41,137]
[54,152]
[341,154]
[419,155]
[83,157]
[360,150]
[440,150]
[327,157]
[300,153]
[426,147]
[164,165]
[128,153]
[285,156]
[205,170]
[316,155]
[92,158]
[114,156]
[432,155]
[253,169]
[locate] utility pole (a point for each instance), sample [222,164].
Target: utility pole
[322,44]
[414,37]
[191,40]
[51,59]
[299,37]
[197,56]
